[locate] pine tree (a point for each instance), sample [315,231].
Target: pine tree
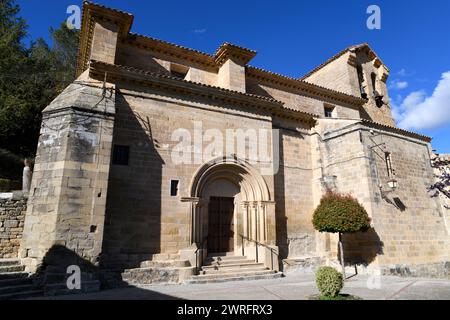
[30,78]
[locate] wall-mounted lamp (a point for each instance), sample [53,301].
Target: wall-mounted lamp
[392,185]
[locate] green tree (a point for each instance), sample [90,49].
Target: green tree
[30,78]
[338,213]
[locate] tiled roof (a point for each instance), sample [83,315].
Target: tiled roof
[104,7]
[324,91]
[228,91]
[401,131]
[207,55]
[336,56]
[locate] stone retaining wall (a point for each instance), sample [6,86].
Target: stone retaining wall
[12,214]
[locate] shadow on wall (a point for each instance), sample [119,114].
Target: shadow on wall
[361,248]
[53,274]
[133,209]
[280,207]
[280,195]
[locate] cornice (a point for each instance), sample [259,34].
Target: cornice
[170,49]
[117,73]
[303,86]
[230,51]
[94,12]
[395,129]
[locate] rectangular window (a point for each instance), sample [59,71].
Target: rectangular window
[121,155]
[174,187]
[329,112]
[390,171]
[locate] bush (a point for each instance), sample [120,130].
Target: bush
[11,165]
[9,185]
[329,281]
[338,213]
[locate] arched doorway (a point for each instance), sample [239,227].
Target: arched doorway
[230,202]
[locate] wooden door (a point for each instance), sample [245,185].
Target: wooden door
[221,224]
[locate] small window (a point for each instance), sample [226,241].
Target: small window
[373,76]
[121,155]
[178,70]
[329,112]
[174,188]
[362,88]
[390,171]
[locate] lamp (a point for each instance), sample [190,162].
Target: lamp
[392,183]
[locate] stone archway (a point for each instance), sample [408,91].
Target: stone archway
[254,210]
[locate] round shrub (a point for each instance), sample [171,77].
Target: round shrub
[338,213]
[329,281]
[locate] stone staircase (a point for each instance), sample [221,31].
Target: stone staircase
[226,267]
[15,283]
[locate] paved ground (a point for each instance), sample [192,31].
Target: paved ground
[295,286]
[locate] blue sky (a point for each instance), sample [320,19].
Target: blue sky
[292,37]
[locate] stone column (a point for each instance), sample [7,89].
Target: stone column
[26,176]
[67,200]
[232,60]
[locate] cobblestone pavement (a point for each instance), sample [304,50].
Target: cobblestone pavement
[295,286]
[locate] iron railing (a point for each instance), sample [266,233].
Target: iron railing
[257,243]
[199,247]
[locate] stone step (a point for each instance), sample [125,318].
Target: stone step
[54,278]
[242,273]
[208,262]
[21,295]
[224,258]
[242,264]
[12,268]
[235,277]
[9,262]
[13,275]
[16,288]
[165,264]
[61,288]
[15,281]
[233,268]
[222,254]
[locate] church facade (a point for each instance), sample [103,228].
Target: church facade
[161,152]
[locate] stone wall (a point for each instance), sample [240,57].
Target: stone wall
[12,215]
[294,206]
[69,185]
[142,217]
[338,75]
[408,223]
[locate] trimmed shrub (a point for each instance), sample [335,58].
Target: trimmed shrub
[338,213]
[329,281]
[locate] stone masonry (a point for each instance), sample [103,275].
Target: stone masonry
[108,189]
[12,216]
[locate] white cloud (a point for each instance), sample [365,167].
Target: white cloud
[398,84]
[402,72]
[419,111]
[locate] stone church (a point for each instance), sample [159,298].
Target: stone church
[127,177]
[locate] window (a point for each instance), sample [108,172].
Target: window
[390,171]
[373,76]
[121,155]
[178,70]
[174,188]
[329,111]
[362,88]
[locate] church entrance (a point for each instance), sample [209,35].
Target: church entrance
[221,224]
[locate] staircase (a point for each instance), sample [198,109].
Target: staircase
[225,267]
[14,282]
